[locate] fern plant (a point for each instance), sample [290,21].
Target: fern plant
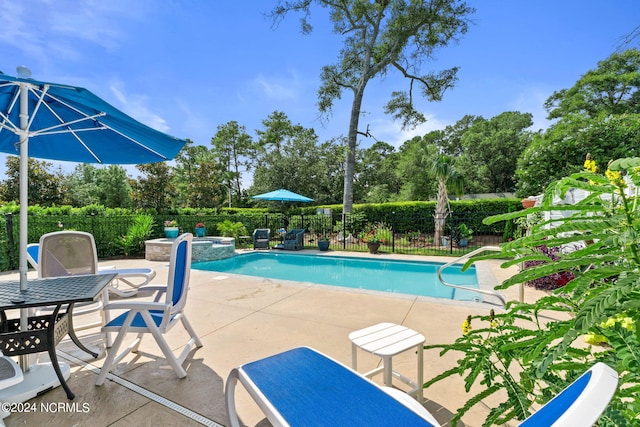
[139,231]
[531,357]
[229,228]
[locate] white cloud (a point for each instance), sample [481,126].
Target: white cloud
[531,100]
[194,126]
[17,29]
[391,132]
[135,105]
[95,28]
[279,88]
[45,30]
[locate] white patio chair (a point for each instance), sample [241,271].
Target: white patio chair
[68,253]
[157,317]
[134,278]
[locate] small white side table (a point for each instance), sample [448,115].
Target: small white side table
[387,340]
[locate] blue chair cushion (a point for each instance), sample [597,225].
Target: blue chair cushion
[138,321]
[308,388]
[552,410]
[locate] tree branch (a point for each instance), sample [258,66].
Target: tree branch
[435,85]
[411,76]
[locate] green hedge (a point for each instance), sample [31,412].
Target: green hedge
[107,225]
[408,216]
[7,254]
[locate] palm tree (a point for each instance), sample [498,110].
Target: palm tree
[443,170]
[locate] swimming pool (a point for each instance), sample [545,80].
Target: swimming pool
[403,277]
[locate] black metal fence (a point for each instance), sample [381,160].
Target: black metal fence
[103,228]
[410,233]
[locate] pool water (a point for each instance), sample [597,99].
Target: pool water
[403,277]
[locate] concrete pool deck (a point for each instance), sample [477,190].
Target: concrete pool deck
[240,319]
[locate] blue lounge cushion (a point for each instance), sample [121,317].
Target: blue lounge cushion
[307,387]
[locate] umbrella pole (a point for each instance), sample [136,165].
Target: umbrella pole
[41,376]
[24,201]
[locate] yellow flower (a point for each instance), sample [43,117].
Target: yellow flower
[626,322]
[615,178]
[629,324]
[492,319]
[466,326]
[590,164]
[609,323]
[595,339]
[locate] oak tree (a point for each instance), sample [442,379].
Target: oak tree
[380,37]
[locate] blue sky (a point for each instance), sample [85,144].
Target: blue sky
[186,67]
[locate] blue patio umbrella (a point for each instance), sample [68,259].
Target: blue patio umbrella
[283,195]
[61,122]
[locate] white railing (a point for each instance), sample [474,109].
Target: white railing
[466,288]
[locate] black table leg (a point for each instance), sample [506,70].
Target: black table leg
[3,322]
[52,353]
[74,337]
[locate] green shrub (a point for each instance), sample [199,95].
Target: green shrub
[525,355]
[6,255]
[378,233]
[231,229]
[354,225]
[133,242]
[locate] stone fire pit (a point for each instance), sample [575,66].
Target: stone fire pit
[204,248]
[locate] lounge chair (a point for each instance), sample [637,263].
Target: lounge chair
[157,317]
[294,239]
[304,387]
[261,238]
[132,277]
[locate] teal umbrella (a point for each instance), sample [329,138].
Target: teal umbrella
[283,195]
[61,122]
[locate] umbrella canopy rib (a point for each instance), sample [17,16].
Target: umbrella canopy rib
[50,131]
[38,104]
[6,117]
[142,146]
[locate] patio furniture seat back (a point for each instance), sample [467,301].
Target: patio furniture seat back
[132,277]
[581,403]
[294,239]
[32,254]
[68,253]
[157,317]
[261,238]
[179,273]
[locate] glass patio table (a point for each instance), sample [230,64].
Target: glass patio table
[44,332]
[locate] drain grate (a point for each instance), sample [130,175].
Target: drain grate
[144,392]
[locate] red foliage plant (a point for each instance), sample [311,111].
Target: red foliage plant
[552,281]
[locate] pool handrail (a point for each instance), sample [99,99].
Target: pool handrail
[466,288]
